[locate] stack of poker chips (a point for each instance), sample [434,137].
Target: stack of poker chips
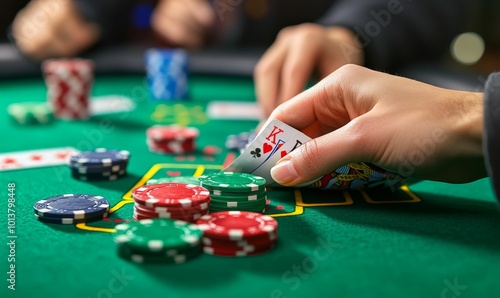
[99,165]
[69,82]
[71,209]
[171,139]
[187,202]
[240,141]
[158,241]
[174,179]
[235,233]
[235,191]
[167,73]
[30,112]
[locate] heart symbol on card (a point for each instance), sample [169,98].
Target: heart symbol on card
[283,153]
[266,148]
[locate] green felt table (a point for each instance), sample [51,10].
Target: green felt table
[425,239]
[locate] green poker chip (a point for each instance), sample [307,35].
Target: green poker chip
[233,182]
[157,235]
[171,256]
[224,204]
[239,197]
[175,179]
[30,112]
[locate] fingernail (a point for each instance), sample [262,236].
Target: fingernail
[284,172]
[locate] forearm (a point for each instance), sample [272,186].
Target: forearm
[395,32]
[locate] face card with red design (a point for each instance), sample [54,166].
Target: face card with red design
[274,142]
[35,158]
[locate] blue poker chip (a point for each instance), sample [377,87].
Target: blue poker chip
[69,221]
[104,176]
[115,168]
[167,73]
[72,206]
[99,157]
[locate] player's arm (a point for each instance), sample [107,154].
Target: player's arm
[55,28]
[286,67]
[359,115]
[394,33]
[184,23]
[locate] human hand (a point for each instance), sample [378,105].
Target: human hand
[287,65]
[183,23]
[408,127]
[52,28]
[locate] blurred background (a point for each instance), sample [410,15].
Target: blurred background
[474,53]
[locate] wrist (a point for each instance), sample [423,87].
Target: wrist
[348,43]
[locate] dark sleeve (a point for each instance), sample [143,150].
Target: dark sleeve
[491,133]
[395,32]
[112,17]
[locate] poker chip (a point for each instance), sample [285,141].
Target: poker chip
[171,256]
[100,164]
[203,207]
[233,182]
[167,74]
[171,139]
[240,141]
[236,233]
[157,235]
[70,221]
[236,225]
[72,206]
[30,112]
[69,82]
[137,216]
[176,179]
[170,194]
[235,253]
[99,157]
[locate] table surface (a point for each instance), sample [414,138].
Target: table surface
[425,239]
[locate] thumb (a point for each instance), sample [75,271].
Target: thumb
[320,156]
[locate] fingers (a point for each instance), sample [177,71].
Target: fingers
[267,77]
[319,156]
[47,28]
[183,22]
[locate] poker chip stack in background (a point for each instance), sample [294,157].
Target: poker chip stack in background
[187,202]
[235,233]
[71,209]
[30,112]
[175,179]
[171,139]
[240,141]
[158,241]
[99,165]
[69,82]
[235,191]
[167,73]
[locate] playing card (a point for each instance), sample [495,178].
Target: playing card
[234,110]
[274,142]
[111,104]
[35,158]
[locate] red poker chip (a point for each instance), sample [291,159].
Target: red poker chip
[235,253]
[238,245]
[171,133]
[170,194]
[203,207]
[172,213]
[237,225]
[172,146]
[63,65]
[192,219]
